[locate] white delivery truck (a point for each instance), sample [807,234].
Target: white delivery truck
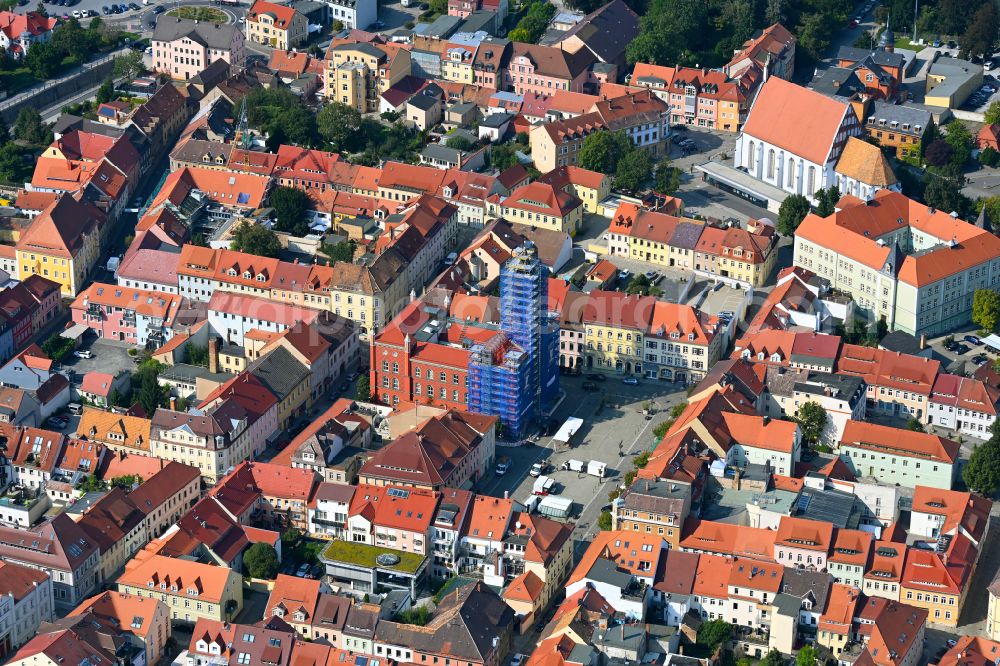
[559,508]
[597,468]
[543,485]
[575,465]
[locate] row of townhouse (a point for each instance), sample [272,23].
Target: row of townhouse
[438,534]
[895,384]
[935,579]
[107,628]
[305,622]
[771,605]
[746,256]
[81,184]
[613,332]
[121,523]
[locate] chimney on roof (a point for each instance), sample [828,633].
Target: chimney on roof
[213,354]
[173,403]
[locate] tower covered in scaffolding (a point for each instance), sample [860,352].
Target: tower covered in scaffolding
[516,377]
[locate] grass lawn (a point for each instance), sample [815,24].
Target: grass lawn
[199,14]
[361,554]
[904,43]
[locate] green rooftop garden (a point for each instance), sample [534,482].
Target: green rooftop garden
[363,555]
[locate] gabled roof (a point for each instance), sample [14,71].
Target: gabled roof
[801,121]
[865,163]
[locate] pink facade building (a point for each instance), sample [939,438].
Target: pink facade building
[543,70]
[183,48]
[131,315]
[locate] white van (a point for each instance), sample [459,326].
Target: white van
[75,408]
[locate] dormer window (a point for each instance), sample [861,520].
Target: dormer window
[232,272]
[247,275]
[260,277]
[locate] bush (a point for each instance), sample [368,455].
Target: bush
[419,616]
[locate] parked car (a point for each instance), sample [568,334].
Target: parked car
[536,470]
[77,14]
[83,353]
[973,340]
[105,10]
[517,659]
[303,571]
[630,381]
[597,377]
[590,386]
[980,359]
[503,464]
[56,422]
[134,7]
[158,9]
[961,349]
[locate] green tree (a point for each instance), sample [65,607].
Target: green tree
[459,143]
[339,124]
[827,201]
[115,398]
[14,168]
[151,394]
[793,210]
[503,157]
[807,656]
[43,60]
[196,354]
[945,194]
[981,33]
[992,115]
[128,65]
[939,153]
[290,205]
[639,285]
[419,616]
[261,561]
[714,633]
[982,473]
[812,419]
[814,33]
[661,429]
[57,348]
[604,521]
[774,658]
[106,91]
[91,484]
[986,309]
[126,481]
[342,251]
[633,170]
[988,156]
[960,139]
[363,389]
[668,179]
[29,127]
[915,425]
[255,239]
[602,150]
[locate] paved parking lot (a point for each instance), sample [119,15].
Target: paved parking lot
[110,357]
[618,423]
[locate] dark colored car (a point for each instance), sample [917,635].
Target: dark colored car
[973,340]
[158,9]
[961,349]
[590,386]
[596,377]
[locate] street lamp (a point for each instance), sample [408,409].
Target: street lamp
[916,4]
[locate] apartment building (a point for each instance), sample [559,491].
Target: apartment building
[542,70]
[191,590]
[653,506]
[939,582]
[61,244]
[147,619]
[894,455]
[701,97]
[182,48]
[540,205]
[278,26]
[61,549]
[910,265]
[357,73]
[897,126]
[142,318]
[745,256]
[642,336]
[26,601]
[965,405]
[641,115]
[273,493]
[212,442]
